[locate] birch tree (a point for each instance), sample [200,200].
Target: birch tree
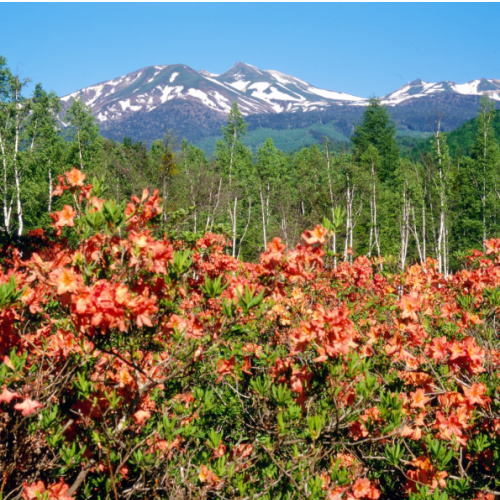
[86,144]
[234,160]
[486,153]
[14,109]
[442,168]
[44,153]
[270,171]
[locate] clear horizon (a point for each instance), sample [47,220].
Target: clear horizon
[363,49]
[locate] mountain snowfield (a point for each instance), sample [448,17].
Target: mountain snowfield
[419,88]
[256,91]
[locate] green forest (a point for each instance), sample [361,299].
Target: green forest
[400,202]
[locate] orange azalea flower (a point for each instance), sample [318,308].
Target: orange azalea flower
[122,294]
[336,493]
[96,203]
[220,451]
[363,488]
[64,217]
[242,450]
[274,253]
[417,379]
[451,428]
[124,378]
[28,407]
[7,396]
[254,349]
[425,473]
[276,246]
[411,433]
[450,399]
[33,491]
[484,496]
[438,348]
[66,280]
[140,240]
[492,246]
[456,351]
[186,397]
[246,367]
[474,353]
[141,416]
[418,399]
[476,394]
[346,459]
[357,430]
[409,305]
[59,491]
[75,177]
[225,367]
[315,236]
[56,491]
[371,414]
[207,476]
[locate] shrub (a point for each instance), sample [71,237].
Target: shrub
[135,366]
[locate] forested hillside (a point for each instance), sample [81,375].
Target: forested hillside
[460,141]
[439,204]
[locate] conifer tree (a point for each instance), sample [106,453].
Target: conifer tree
[376,129]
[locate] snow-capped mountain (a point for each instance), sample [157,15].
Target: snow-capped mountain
[148,102]
[419,88]
[255,91]
[149,88]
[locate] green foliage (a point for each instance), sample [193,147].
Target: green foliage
[377,130]
[86,143]
[249,299]
[9,292]
[181,263]
[213,287]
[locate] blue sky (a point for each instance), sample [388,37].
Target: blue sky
[364,49]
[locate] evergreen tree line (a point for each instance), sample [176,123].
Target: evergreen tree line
[373,200]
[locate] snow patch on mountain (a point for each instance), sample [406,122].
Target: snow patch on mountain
[337,96]
[168,93]
[125,105]
[240,85]
[469,88]
[207,73]
[283,78]
[214,100]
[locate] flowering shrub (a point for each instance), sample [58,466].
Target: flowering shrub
[135,366]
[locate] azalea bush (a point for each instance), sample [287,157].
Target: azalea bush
[136,366]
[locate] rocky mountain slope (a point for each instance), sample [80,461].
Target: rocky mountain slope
[194,104]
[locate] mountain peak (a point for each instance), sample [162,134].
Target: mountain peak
[241,71]
[245,66]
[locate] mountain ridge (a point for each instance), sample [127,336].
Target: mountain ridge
[145,103]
